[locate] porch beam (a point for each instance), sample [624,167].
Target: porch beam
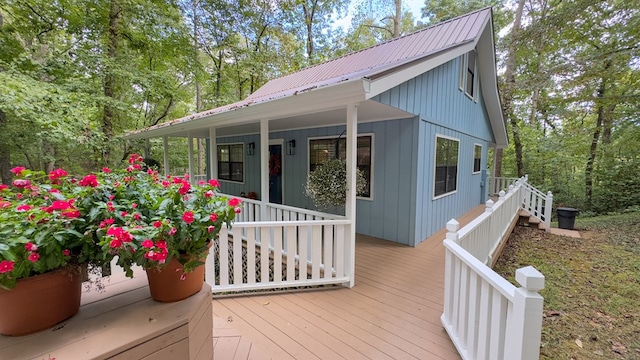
[190,147]
[350,206]
[264,168]
[165,145]
[213,153]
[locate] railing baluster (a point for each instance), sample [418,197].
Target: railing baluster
[316,252]
[328,251]
[237,256]
[251,255]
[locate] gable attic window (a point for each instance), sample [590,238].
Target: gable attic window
[468,70]
[446,174]
[323,149]
[231,162]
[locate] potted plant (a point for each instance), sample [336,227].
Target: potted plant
[327,184]
[163,224]
[43,247]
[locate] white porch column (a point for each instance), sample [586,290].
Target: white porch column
[264,168]
[350,206]
[165,143]
[190,146]
[213,153]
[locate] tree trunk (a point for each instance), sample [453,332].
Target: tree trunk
[196,53]
[5,152]
[497,172]
[308,19]
[109,114]
[510,81]
[397,19]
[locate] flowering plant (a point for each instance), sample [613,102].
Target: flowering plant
[147,220]
[41,227]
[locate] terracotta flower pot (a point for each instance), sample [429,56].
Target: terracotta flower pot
[165,284]
[39,302]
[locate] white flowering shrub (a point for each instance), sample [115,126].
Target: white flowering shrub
[327,184]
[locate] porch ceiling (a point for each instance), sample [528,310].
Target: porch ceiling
[368,111]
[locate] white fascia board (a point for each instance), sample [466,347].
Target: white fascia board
[320,99]
[378,86]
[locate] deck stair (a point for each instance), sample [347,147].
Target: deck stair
[528,220]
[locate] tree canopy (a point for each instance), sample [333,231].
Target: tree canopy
[75,74]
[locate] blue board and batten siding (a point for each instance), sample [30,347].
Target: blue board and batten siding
[444,110]
[402,207]
[388,214]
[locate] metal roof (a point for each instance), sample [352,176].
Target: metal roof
[357,77]
[367,62]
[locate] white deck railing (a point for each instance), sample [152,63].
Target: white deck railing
[280,254]
[486,316]
[497,184]
[280,247]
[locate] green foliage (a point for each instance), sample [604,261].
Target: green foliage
[327,184]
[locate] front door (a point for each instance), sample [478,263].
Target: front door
[275,173]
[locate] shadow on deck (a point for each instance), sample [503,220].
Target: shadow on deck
[393,312]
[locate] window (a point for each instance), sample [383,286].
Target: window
[468,70]
[477,158]
[321,150]
[446,177]
[231,162]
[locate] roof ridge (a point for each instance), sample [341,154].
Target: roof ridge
[383,43]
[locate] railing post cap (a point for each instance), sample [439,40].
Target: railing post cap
[502,194]
[549,194]
[530,278]
[490,203]
[453,225]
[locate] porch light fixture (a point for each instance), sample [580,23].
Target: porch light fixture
[291,147]
[251,148]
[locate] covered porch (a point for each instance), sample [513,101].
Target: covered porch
[393,312]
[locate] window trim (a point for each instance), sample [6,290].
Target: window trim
[371,180]
[435,155]
[244,162]
[473,165]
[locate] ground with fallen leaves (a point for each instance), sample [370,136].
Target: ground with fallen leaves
[592,289]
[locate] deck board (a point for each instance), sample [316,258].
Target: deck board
[393,312]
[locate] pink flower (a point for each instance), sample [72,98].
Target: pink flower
[237,210]
[124,213]
[54,191]
[30,246]
[33,257]
[3,186]
[58,205]
[214,183]
[210,229]
[89,180]
[115,243]
[234,202]
[150,255]
[183,276]
[208,194]
[17,171]
[110,207]
[157,224]
[184,188]
[134,205]
[6,266]
[106,170]
[147,244]
[4,204]
[57,174]
[166,184]
[136,216]
[66,252]
[23,208]
[161,244]
[71,214]
[201,182]
[213,217]
[21,183]
[135,158]
[106,222]
[173,231]
[187,217]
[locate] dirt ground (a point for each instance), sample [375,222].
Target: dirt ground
[592,292]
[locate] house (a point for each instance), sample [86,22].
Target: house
[426,109]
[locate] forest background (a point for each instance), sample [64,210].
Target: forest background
[76,74]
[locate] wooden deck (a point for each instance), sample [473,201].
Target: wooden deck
[393,312]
